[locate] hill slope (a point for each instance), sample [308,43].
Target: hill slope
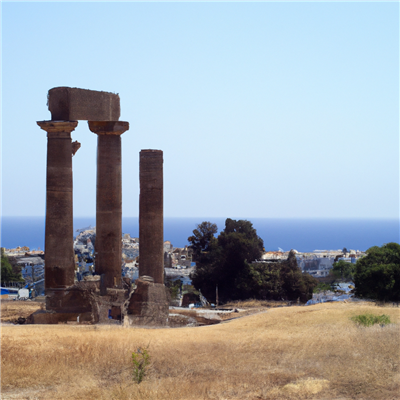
[313,352]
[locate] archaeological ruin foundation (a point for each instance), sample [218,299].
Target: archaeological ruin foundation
[104,297]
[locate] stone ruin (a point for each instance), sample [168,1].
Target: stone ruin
[104,297]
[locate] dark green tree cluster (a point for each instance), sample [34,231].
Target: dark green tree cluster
[7,272]
[343,270]
[377,275]
[202,241]
[226,262]
[279,281]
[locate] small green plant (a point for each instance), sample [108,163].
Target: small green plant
[140,361]
[371,319]
[322,287]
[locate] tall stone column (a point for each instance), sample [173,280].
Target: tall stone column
[108,245]
[151,215]
[59,241]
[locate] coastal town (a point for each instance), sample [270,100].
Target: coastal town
[178,262]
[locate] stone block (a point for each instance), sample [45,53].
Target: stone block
[73,104]
[48,317]
[208,318]
[148,305]
[108,128]
[179,320]
[82,303]
[70,300]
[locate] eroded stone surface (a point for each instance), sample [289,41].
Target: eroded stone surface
[47,317]
[151,216]
[148,305]
[75,147]
[109,201]
[108,245]
[108,127]
[59,240]
[73,104]
[82,303]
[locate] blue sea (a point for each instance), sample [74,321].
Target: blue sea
[301,234]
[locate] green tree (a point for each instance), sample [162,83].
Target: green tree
[7,273]
[228,264]
[343,270]
[202,239]
[295,284]
[377,275]
[277,281]
[224,263]
[238,245]
[263,281]
[309,283]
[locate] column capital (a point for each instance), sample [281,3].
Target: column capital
[108,127]
[58,128]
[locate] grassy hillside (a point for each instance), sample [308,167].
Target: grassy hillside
[313,352]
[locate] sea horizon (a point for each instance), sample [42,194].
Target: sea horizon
[301,234]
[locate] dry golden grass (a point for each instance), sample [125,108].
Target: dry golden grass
[224,316]
[313,352]
[11,310]
[254,303]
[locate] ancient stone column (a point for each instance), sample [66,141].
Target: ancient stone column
[151,214]
[59,240]
[108,246]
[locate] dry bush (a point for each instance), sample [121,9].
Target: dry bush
[313,352]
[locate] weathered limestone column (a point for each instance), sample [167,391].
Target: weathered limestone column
[151,215]
[108,245]
[59,240]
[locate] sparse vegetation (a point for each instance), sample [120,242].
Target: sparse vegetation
[322,287]
[313,352]
[371,319]
[140,362]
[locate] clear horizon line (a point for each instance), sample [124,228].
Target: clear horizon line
[220,217]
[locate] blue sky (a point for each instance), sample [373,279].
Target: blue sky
[262,109]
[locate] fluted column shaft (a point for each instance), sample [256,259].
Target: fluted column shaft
[151,215]
[59,241]
[108,246]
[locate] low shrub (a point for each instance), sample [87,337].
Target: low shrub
[371,319]
[140,361]
[322,287]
